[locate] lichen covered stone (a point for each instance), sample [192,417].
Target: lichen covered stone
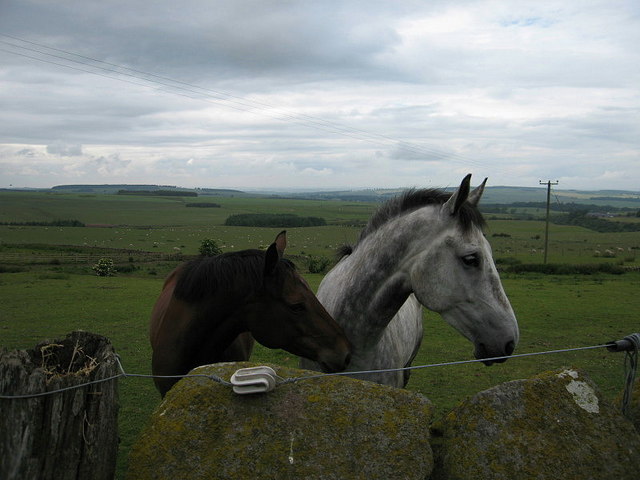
[554,425]
[323,428]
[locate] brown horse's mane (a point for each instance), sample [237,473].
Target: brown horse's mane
[409,201]
[229,274]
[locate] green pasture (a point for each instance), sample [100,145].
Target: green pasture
[553,312]
[47,287]
[164,224]
[181,239]
[164,211]
[567,244]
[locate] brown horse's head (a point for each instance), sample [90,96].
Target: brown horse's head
[286,314]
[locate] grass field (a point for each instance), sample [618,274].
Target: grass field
[49,298]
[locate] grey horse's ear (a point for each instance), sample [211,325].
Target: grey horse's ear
[476,193]
[459,197]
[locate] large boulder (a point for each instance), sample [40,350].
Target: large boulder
[331,427]
[555,425]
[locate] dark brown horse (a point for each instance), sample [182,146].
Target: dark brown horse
[212,308]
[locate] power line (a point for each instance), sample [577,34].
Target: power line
[158,82]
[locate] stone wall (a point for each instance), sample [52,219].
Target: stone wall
[553,426]
[329,428]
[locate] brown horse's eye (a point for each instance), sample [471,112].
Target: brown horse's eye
[297,307]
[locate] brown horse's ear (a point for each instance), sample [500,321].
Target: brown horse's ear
[274,253]
[281,242]
[459,197]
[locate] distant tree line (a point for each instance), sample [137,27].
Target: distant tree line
[556,207]
[203,205]
[280,220]
[565,269]
[158,193]
[54,223]
[581,219]
[626,199]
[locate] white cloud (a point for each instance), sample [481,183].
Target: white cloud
[315,172]
[64,150]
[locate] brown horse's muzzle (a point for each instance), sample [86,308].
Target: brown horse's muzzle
[335,358]
[338,362]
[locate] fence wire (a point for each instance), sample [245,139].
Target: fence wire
[631,348]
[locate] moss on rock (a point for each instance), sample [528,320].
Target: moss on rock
[554,425]
[328,427]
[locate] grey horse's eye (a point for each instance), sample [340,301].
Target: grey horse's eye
[471,260]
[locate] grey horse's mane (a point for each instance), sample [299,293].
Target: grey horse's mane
[409,201]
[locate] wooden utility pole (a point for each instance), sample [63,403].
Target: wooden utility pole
[548,183]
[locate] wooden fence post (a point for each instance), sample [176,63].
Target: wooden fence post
[66,435]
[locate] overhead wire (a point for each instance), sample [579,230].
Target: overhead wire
[189,90]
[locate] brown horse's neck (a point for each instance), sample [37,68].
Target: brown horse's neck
[213,344]
[200,316]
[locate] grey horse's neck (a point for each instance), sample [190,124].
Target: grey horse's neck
[374,279]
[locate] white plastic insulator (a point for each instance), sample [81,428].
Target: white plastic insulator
[254,380]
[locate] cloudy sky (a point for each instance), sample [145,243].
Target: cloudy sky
[320,94]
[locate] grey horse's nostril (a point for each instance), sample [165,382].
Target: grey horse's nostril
[510,347]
